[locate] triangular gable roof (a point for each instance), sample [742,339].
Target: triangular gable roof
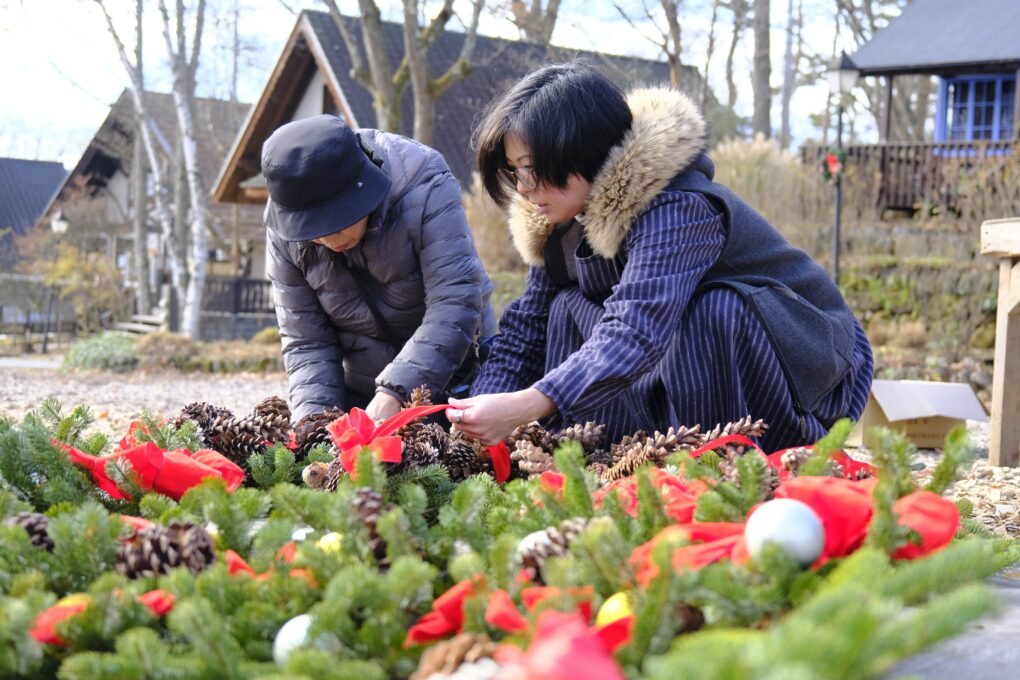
[25,190]
[315,42]
[908,399]
[111,148]
[945,36]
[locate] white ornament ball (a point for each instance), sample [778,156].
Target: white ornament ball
[292,635]
[788,523]
[301,533]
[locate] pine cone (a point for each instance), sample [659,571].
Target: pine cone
[368,505]
[270,419]
[447,656]
[590,436]
[744,427]
[425,445]
[792,459]
[272,406]
[310,431]
[35,525]
[730,472]
[159,549]
[420,396]
[534,433]
[532,460]
[535,548]
[204,415]
[463,457]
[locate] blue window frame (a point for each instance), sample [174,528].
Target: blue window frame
[975,108]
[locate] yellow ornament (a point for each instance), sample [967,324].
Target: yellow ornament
[616,607]
[330,543]
[74,599]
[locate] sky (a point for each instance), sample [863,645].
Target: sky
[61,69]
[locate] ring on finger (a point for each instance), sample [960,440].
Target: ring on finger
[457,415]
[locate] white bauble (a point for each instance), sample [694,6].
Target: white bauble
[788,523]
[292,635]
[301,533]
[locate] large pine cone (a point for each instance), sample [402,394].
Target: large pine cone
[204,415]
[420,396]
[444,658]
[745,426]
[534,433]
[35,525]
[535,548]
[159,549]
[311,431]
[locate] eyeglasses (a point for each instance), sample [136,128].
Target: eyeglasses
[524,175]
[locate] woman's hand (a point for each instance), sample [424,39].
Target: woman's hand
[490,418]
[382,406]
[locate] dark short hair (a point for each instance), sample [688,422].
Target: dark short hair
[570,115]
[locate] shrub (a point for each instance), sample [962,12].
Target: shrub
[267,336]
[107,351]
[236,356]
[165,350]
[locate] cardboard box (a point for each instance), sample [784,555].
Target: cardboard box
[924,411]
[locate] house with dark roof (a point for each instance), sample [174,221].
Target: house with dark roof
[26,188]
[973,51]
[313,76]
[96,197]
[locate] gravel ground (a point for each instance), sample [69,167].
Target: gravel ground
[117,399]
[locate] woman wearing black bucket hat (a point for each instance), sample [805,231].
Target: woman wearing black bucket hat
[377,284]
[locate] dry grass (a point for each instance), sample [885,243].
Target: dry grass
[489,228]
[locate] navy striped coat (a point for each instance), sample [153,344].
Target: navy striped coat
[671,302]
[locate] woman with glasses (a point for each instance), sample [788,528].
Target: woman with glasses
[655,296]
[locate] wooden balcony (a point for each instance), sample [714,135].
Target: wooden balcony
[232,295]
[912,175]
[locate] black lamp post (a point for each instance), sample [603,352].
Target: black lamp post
[842,77]
[58,225]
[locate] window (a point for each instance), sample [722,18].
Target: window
[975,108]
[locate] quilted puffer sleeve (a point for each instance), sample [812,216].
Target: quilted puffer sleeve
[311,350]
[455,285]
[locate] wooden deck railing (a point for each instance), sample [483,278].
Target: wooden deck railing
[907,175]
[232,295]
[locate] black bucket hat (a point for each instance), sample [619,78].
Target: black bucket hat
[320,179]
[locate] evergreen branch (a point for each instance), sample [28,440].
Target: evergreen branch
[957,449]
[577,498]
[817,464]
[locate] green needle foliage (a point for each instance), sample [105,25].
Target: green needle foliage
[364,587]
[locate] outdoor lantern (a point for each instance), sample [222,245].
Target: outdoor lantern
[842,75]
[59,223]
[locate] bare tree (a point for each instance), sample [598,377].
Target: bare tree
[427,90]
[668,40]
[709,50]
[151,136]
[184,63]
[740,9]
[761,120]
[791,67]
[912,96]
[535,22]
[141,213]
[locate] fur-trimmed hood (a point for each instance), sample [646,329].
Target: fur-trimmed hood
[667,134]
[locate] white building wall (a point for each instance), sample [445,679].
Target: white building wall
[311,101]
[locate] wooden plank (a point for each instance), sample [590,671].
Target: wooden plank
[1001,238]
[132,327]
[1004,448]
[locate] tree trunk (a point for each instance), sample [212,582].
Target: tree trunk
[760,122]
[535,24]
[703,89]
[673,45]
[789,78]
[143,300]
[739,20]
[178,271]
[184,69]
[386,97]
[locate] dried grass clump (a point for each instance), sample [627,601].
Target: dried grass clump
[490,231]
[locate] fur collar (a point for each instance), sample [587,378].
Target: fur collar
[667,134]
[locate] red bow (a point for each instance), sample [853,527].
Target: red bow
[44,630]
[563,647]
[447,615]
[170,473]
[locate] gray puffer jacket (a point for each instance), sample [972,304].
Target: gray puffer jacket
[425,276]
